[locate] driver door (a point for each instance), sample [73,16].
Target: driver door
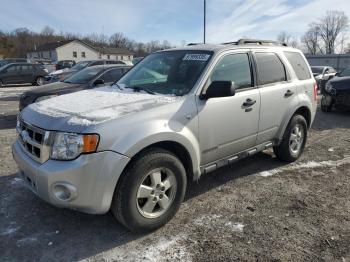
[226,124]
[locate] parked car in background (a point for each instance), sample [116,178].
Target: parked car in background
[179,114]
[6,61]
[64,64]
[322,74]
[87,78]
[62,74]
[337,92]
[22,73]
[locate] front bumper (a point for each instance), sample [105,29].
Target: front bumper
[86,184]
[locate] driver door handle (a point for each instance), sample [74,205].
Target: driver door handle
[249,102]
[288,93]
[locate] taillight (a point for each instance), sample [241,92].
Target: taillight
[315,91]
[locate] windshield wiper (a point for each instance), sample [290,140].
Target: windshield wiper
[117,86]
[138,89]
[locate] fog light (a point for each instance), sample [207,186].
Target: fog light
[64,191]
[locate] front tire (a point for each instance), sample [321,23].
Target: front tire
[150,191]
[293,141]
[39,81]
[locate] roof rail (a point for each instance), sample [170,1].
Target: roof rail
[255,41]
[194,44]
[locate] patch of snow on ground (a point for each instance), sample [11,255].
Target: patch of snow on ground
[216,221]
[26,240]
[331,149]
[98,105]
[237,227]
[16,181]
[9,231]
[165,249]
[307,165]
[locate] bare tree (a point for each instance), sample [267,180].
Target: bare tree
[118,40]
[330,26]
[283,37]
[311,39]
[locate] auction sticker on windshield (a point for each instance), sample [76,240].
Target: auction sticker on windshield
[196,57]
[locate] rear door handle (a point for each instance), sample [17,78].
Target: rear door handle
[249,102]
[288,93]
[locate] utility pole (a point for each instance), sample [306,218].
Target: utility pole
[205,11]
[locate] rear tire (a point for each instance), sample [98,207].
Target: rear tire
[324,107]
[150,191]
[293,141]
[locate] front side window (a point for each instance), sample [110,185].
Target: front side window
[112,75]
[168,72]
[346,72]
[234,68]
[270,68]
[299,65]
[80,65]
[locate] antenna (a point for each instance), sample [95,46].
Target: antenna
[204,20]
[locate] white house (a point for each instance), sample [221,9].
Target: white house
[77,50]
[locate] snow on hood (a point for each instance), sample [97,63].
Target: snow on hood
[98,105]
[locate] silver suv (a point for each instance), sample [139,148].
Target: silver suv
[178,114]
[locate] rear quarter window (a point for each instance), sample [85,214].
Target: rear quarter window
[299,65]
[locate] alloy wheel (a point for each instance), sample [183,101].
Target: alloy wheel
[156,193]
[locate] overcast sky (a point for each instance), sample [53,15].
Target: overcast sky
[174,20]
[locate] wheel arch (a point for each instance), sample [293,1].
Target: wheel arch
[178,149]
[303,110]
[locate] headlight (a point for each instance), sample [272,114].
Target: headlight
[41,98]
[68,146]
[329,88]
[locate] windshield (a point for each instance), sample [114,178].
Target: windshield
[80,65]
[317,70]
[83,76]
[168,72]
[346,72]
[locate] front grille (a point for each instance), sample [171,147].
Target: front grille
[34,141]
[343,99]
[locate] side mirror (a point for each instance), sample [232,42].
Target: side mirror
[219,89]
[337,74]
[98,82]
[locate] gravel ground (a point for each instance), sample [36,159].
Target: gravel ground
[258,209]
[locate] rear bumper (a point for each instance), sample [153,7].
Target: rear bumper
[86,184]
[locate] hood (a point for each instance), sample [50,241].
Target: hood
[74,112]
[52,88]
[341,83]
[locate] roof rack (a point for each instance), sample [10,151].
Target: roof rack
[255,41]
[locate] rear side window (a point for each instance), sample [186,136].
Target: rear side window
[270,68]
[299,65]
[234,68]
[101,62]
[114,62]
